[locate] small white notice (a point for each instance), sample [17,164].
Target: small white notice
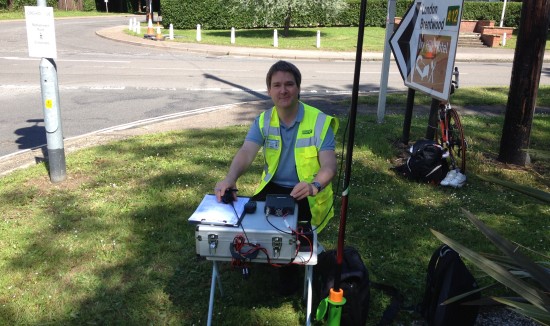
[40,32]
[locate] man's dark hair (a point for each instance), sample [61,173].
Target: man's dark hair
[284,66]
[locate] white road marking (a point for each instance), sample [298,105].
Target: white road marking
[65,60]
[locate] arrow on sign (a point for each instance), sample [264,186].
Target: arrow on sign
[402,42]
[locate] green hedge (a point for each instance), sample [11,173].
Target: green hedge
[224,14]
[187,14]
[493,11]
[19,4]
[377,11]
[87,5]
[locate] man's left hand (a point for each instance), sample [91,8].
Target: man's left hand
[302,190]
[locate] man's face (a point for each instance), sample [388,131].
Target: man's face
[283,90]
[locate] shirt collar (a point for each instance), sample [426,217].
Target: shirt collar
[299,117]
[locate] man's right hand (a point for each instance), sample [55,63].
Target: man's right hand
[240,163]
[221,187]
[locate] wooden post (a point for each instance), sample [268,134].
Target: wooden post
[524,84]
[408,116]
[433,119]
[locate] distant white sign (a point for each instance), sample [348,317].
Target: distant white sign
[40,32]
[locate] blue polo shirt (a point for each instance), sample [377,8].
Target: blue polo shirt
[286,175]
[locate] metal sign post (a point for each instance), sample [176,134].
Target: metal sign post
[41,41]
[52,120]
[386,61]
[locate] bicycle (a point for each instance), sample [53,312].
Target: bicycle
[450,136]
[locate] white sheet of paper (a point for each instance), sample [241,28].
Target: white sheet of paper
[210,211]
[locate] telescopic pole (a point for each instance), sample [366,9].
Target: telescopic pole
[349,150]
[336,298]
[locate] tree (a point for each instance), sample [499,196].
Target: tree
[148,10]
[70,5]
[281,12]
[524,84]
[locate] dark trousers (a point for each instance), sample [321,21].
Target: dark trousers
[304,213]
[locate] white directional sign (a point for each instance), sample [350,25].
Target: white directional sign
[424,45]
[40,32]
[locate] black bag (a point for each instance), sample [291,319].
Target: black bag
[354,283]
[448,277]
[426,163]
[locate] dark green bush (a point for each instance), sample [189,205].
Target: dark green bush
[84,5]
[19,4]
[224,14]
[210,14]
[493,11]
[220,14]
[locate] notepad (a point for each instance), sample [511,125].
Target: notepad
[211,212]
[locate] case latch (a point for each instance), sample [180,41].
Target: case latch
[277,245]
[212,243]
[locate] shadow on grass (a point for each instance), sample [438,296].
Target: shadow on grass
[114,246]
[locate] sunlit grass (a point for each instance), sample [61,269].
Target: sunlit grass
[111,245]
[465,97]
[331,38]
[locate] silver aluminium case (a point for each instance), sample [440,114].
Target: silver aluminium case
[213,241]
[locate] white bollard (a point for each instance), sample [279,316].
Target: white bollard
[134,25]
[275,39]
[130,24]
[198,32]
[138,30]
[232,35]
[318,39]
[171,32]
[503,39]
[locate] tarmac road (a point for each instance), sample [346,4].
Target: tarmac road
[161,112]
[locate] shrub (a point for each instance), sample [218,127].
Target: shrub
[219,14]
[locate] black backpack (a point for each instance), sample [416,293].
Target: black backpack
[356,285]
[448,277]
[354,282]
[426,163]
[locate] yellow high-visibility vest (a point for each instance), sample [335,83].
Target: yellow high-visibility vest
[311,133]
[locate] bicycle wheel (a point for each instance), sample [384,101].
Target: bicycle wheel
[456,142]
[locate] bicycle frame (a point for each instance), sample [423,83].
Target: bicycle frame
[451,133]
[444,122]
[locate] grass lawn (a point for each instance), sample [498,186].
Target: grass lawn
[332,38]
[111,245]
